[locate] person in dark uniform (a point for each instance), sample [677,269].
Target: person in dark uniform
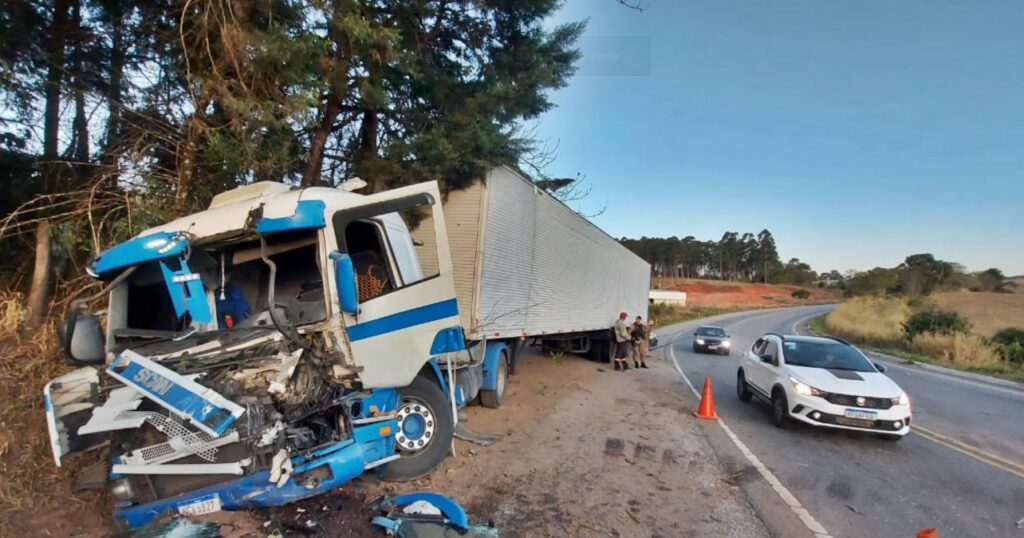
[638,335]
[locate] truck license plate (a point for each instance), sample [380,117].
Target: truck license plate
[863,415]
[206,504]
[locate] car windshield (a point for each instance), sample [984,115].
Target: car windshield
[710,331]
[831,355]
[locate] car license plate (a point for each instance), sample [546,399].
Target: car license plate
[206,504]
[863,415]
[713,346]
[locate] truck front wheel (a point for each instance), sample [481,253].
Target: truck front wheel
[493,398]
[425,431]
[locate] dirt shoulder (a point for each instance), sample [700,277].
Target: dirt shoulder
[589,451]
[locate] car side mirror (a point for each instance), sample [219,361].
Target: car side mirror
[767,358]
[880,367]
[345,281]
[82,338]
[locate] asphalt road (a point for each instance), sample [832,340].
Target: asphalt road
[961,470]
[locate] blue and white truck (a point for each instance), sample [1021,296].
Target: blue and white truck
[287,340]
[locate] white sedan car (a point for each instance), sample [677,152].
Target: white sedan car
[823,382]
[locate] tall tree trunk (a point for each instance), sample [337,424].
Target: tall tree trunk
[116,75]
[80,125]
[54,79]
[367,153]
[39,294]
[319,141]
[186,165]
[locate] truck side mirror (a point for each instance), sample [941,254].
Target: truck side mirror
[345,281]
[82,338]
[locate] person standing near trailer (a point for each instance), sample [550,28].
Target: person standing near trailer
[639,336]
[622,338]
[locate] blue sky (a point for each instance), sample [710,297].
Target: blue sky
[857,132]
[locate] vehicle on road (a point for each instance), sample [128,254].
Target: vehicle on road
[285,340]
[711,339]
[823,382]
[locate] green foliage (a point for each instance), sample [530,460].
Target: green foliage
[801,294]
[1010,344]
[921,274]
[733,257]
[993,279]
[1009,335]
[877,281]
[937,322]
[157,106]
[556,357]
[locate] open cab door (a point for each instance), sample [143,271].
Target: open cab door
[395,296]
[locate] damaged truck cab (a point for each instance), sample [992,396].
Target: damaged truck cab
[267,349]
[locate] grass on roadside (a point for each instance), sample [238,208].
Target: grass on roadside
[664,315]
[969,353]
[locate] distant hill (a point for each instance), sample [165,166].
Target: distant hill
[723,294]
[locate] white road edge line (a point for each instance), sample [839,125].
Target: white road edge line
[805,517]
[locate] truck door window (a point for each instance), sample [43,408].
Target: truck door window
[373,273]
[384,254]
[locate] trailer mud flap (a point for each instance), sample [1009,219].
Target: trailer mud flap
[205,408]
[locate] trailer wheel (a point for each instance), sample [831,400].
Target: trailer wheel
[493,398]
[601,350]
[425,431]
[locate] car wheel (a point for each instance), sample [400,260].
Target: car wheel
[696,349]
[742,390]
[425,431]
[780,408]
[891,438]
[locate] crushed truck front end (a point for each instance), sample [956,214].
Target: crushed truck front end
[226,377]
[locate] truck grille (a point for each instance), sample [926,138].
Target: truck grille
[851,401]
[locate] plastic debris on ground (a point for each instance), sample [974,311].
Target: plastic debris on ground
[427,515]
[178,528]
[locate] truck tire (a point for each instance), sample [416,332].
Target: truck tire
[602,350]
[425,431]
[494,398]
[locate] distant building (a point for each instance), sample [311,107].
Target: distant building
[675,298]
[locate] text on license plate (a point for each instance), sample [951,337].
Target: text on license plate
[206,504]
[865,415]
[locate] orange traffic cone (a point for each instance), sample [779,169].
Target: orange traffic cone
[928,533]
[707,402]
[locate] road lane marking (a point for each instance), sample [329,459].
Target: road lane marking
[791,501]
[971,451]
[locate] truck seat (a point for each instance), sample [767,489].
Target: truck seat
[371,276]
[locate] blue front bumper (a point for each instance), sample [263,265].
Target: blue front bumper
[369,445]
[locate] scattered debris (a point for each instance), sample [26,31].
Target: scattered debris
[1020,523]
[178,528]
[855,510]
[426,514]
[632,515]
[482,439]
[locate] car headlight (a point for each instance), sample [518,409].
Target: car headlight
[700,341]
[725,343]
[805,389]
[903,399]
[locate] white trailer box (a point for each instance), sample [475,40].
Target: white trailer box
[525,264]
